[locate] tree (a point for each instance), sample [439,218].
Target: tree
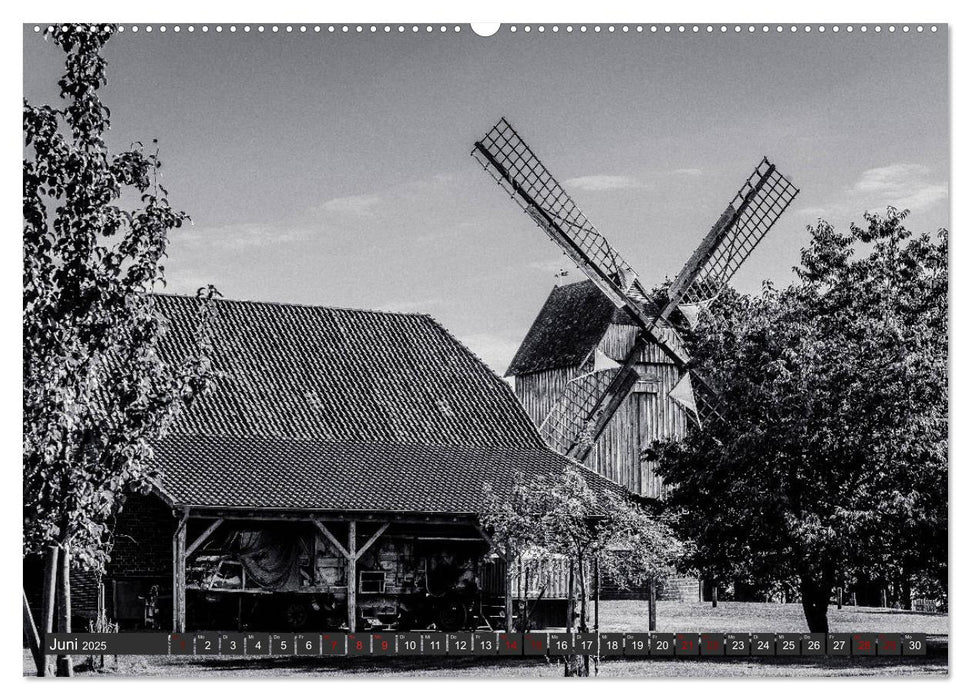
[562,518]
[96,392]
[832,455]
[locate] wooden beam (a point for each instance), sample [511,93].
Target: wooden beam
[178,575]
[406,518]
[333,540]
[371,540]
[351,576]
[201,539]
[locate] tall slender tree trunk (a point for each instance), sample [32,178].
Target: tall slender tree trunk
[584,669]
[906,592]
[652,606]
[572,663]
[815,603]
[65,665]
[49,604]
[508,611]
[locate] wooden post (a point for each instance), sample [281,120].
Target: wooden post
[652,606]
[839,598]
[509,580]
[178,575]
[65,666]
[351,554]
[48,604]
[352,576]
[701,590]
[883,597]
[714,596]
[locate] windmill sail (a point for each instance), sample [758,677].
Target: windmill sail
[756,207]
[576,419]
[517,169]
[590,401]
[587,405]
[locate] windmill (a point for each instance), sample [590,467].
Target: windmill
[590,400]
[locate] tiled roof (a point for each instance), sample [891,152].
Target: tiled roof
[570,324]
[339,375]
[336,409]
[568,327]
[273,473]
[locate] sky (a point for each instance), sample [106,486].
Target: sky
[334,169]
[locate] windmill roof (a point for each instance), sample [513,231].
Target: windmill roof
[568,327]
[328,407]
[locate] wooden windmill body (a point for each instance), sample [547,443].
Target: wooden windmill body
[577,331]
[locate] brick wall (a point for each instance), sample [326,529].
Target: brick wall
[84,598]
[143,539]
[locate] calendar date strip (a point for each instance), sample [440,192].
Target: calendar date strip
[602,644]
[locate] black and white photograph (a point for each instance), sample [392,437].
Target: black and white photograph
[522,350]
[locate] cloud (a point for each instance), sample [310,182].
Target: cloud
[354,205]
[688,172]
[902,185]
[602,183]
[251,235]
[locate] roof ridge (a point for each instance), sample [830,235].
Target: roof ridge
[298,305]
[573,284]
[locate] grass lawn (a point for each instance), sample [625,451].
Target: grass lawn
[615,616]
[631,616]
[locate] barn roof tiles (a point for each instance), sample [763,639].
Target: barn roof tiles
[285,474]
[327,408]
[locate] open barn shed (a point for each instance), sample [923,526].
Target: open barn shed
[332,478]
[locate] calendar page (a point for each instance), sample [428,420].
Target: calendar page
[532,350]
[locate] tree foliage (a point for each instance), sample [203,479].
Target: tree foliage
[833,453]
[549,518]
[96,390]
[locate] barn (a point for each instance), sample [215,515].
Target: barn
[331,478]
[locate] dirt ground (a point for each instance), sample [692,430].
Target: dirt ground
[615,616]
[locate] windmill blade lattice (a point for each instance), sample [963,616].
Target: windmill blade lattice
[570,423]
[504,154]
[589,401]
[754,210]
